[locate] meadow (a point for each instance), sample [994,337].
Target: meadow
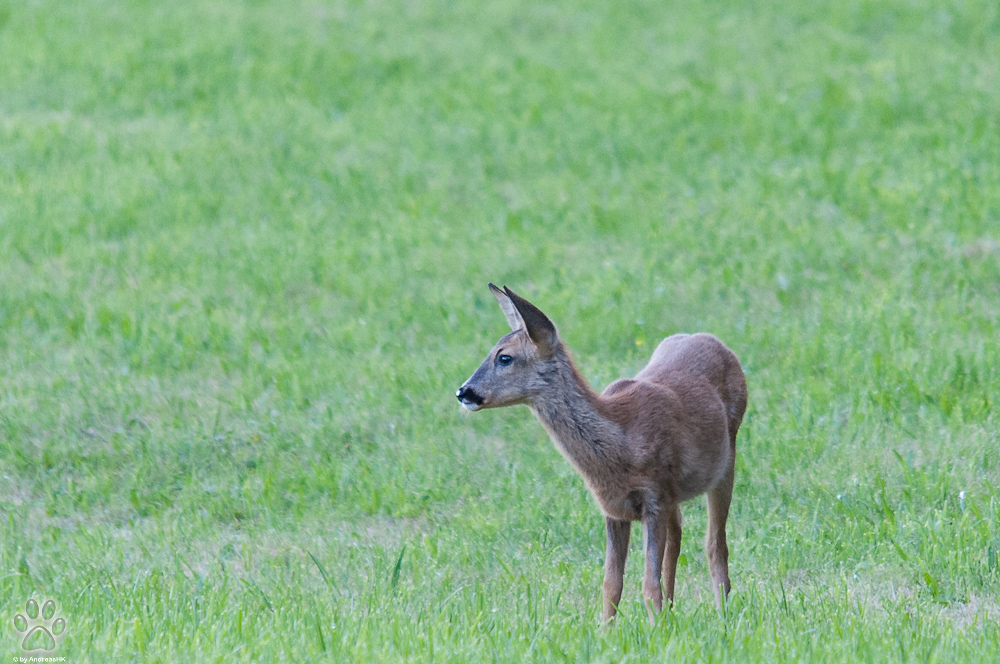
[244,249]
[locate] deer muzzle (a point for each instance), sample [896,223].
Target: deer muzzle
[468,398]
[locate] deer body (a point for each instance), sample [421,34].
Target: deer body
[643,446]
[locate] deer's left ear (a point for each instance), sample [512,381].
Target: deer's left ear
[509,310]
[539,327]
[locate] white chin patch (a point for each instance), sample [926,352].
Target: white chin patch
[468,405]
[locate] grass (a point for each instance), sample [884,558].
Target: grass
[244,250]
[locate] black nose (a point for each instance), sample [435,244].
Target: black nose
[467,394]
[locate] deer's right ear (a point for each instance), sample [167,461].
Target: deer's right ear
[536,324]
[509,310]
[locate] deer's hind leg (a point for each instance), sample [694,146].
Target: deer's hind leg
[715,540]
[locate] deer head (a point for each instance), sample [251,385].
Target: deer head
[518,366]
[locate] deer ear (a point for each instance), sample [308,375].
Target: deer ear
[509,310]
[539,327]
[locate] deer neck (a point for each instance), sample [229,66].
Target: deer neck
[572,414]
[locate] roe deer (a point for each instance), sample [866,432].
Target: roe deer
[643,446]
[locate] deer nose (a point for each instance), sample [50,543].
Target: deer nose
[468,395]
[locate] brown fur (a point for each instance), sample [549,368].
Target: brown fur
[643,446]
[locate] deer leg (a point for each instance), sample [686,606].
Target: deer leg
[655,530]
[715,540]
[671,551]
[614,565]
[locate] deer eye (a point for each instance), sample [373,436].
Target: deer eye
[504,360]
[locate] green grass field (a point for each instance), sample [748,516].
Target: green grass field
[244,250]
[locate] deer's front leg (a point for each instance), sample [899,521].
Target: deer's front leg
[614,565]
[672,551]
[654,523]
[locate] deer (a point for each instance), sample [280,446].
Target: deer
[643,446]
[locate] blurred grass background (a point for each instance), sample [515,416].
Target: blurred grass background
[243,257]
